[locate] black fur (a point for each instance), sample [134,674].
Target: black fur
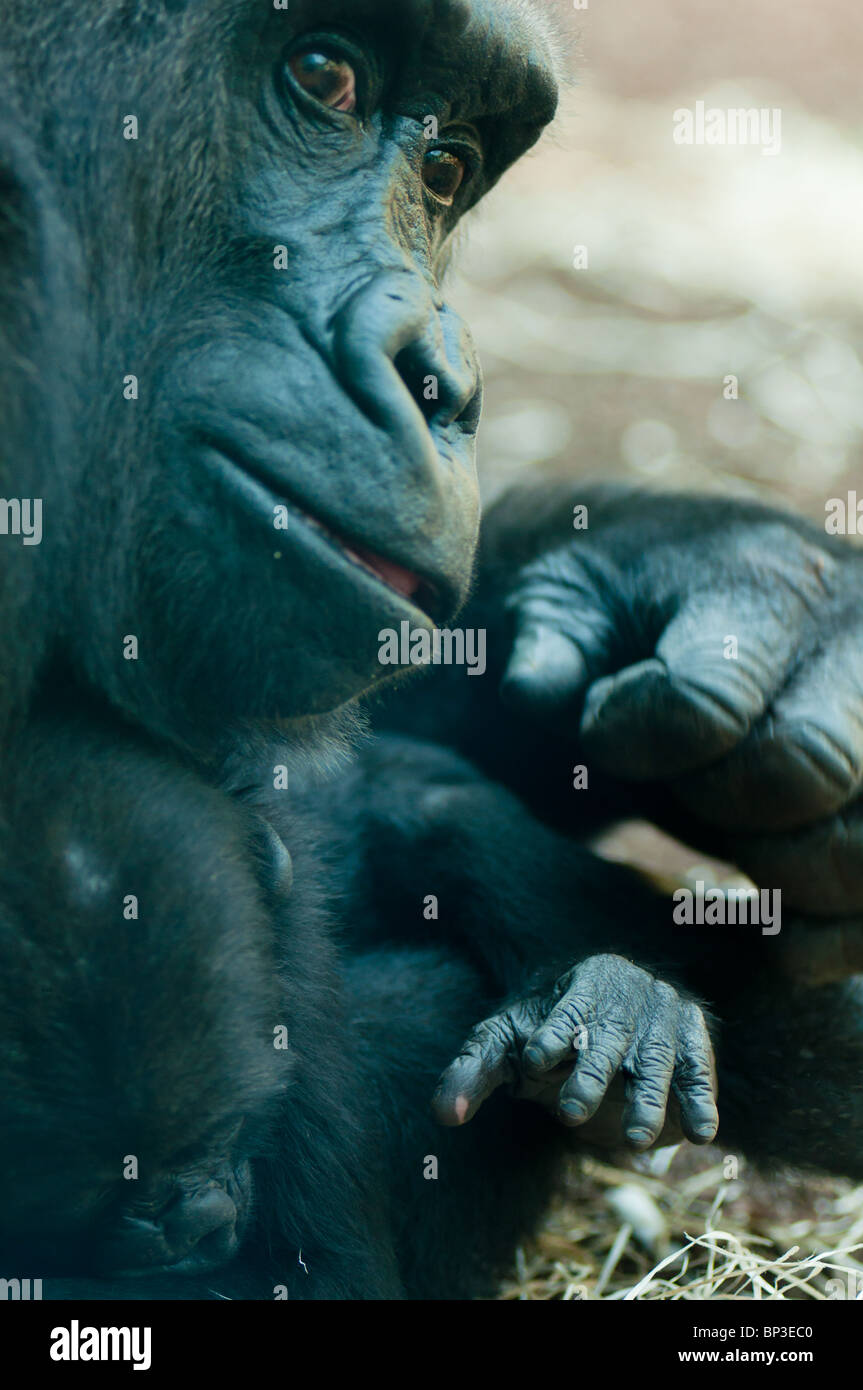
[147,773]
[153,1038]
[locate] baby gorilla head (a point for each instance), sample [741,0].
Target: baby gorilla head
[137,1007]
[185,1221]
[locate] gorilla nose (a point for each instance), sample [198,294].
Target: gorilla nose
[407,361]
[197,1230]
[201,1224]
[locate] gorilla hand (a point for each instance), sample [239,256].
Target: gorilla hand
[717,647]
[606,1020]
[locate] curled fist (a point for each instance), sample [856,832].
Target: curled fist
[606,1051]
[716,647]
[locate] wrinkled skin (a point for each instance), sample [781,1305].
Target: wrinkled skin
[625,646]
[618,1021]
[259,387]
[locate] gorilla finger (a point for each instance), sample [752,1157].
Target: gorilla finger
[568,631]
[691,703]
[800,764]
[563,1033]
[647,1087]
[484,1063]
[277,866]
[694,1082]
[818,870]
[546,670]
[584,1091]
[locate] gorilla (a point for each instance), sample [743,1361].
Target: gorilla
[206,1071]
[232,382]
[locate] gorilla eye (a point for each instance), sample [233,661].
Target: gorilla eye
[443,175]
[326,77]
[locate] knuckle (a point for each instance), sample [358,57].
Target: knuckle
[616,1033]
[823,752]
[595,1068]
[558,1034]
[493,1033]
[572,1015]
[665,995]
[696,1081]
[591,1081]
[695,1029]
[654,1057]
[651,1101]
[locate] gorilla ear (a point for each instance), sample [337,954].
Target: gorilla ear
[276,865]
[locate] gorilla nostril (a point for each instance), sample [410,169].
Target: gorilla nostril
[422,384]
[442,395]
[393,346]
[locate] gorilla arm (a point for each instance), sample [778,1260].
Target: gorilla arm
[434,852]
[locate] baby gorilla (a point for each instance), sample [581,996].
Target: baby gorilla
[137,1075]
[204,1089]
[189,1071]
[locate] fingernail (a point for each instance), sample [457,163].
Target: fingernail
[639,1137]
[534,1056]
[572,1110]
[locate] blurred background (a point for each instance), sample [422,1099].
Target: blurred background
[704,262]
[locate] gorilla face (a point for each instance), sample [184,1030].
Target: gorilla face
[138,998]
[292,468]
[185,1220]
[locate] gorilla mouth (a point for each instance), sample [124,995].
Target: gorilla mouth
[419,591]
[404,581]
